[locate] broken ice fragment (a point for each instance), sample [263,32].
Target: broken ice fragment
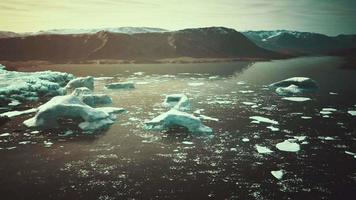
[288,146]
[263,150]
[296,99]
[277,174]
[177,101]
[264,120]
[245,140]
[87,82]
[196,84]
[352,112]
[295,85]
[172,118]
[16,113]
[272,128]
[5,135]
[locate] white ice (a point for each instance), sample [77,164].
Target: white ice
[288,146]
[31,85]
[177,118]
[277,174]
[296,99]
[71,106]
[87,82]
[352,112]
[263,150]
[295,85]
[16,113]
[177,101]
[264,120]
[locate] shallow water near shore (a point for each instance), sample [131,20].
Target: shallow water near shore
[127,162]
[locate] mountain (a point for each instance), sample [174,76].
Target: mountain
[126,30]
[8,34]
[295,42]
[212,42]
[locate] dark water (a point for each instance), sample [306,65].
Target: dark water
[126,162]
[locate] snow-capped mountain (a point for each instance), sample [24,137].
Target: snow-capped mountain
[126,30]
[300,42]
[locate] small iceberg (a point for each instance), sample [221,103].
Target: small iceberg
[295,85]
[296,99]
[121,85]
[174,118]
[263,150]
[278,174]
[79,82]
[264,120]
[288,146]
[72,106]
[177,101]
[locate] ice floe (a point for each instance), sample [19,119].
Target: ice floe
[177,101]
[121,85]
[352,112]
[173,118]
[23,86]
[296,99]
[263,150]
[196,84]
[278,174]
[351,153]
[72,106]
[286,145]
[295,85]
[79,82]
[263,120]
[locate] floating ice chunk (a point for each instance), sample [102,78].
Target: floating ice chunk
[121,85]
[264,120]
[245,140]
[278,174]
[196,84]
[352,112]
[288,146]
[300,138]
[187,142]
[14,103]
[31,85]
[47,144]
[204,117]
[139,73]
[87,82]
[5,135]
[241,83]
[91,99]
[295,85]
[248,103]
[305,117]
[246,91]
[272,128]
[333,93]
[103,78]
[222,102]
[297,99]
[327,111]
[177,101]
[328,138]
[71,106]
[15,113]
[351,153]
[263,150]
[177,118]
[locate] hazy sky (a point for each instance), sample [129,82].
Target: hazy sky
[325,16]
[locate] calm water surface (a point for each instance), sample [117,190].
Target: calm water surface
[126,162]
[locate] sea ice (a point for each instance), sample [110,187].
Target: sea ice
[196,84]
[71,106]
[79,82]
[295,85]
[177,118]
[177,101]
[297,99]
[264,120]
[272,128]
[288,146]
[31,85]
[120,85]
[16,113]
[262,149]
[277,174]
[352,112]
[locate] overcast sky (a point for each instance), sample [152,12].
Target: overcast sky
[331,17]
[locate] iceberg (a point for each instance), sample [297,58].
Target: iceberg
[173,118]
[295,85]
[120,85]
[72,106]
[31,85]
[87,82]
[177,101]
[288,146]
